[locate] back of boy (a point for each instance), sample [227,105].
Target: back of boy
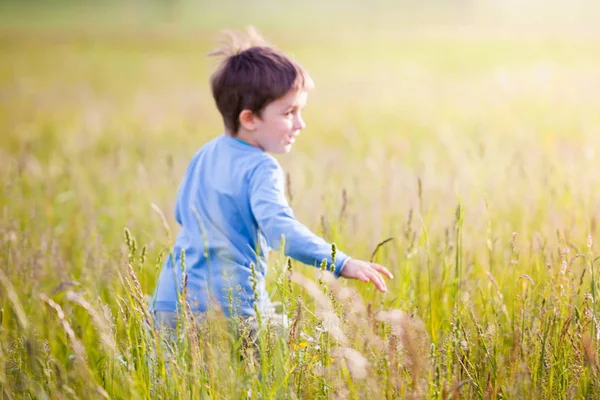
[219,237]
[231,204]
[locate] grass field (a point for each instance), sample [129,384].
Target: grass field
[469,135]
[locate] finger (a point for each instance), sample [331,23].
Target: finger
[363,277]
[382,281]
[377,281]
[383,270]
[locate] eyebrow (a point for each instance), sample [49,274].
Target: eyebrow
[293,106]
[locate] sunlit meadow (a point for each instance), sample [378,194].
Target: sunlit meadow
[458,144]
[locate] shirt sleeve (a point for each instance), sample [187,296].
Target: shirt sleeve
[276,219]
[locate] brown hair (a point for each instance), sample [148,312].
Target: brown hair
[252,74]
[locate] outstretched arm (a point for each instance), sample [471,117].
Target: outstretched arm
[276,220]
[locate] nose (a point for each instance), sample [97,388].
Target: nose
[299,123]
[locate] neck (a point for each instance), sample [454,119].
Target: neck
[245,136]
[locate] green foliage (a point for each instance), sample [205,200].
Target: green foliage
[466,162]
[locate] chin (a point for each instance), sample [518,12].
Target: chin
[281,150]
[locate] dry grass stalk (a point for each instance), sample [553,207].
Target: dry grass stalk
[591,355]
[357,363]
[350,297]
[102,326]
[355,312]
[163,221]
[294,327]
[14,301]
[75,343]
[78,348]
[499,294]
[325,311]
[414,341]
[135,289]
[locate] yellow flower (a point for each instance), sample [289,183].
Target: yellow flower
[301,345]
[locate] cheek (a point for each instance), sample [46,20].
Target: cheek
[282,125]
[277,128]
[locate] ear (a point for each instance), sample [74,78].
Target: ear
[248,120]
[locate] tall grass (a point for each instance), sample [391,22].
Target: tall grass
[464,162]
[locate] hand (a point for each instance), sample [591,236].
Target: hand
[366,272]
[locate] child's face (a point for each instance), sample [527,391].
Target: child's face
[280,122]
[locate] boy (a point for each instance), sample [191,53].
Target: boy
[231,204]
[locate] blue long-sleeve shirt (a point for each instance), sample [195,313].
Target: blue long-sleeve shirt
[232,209]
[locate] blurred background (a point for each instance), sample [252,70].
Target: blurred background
[418,105]
[466,130]
[375,15]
